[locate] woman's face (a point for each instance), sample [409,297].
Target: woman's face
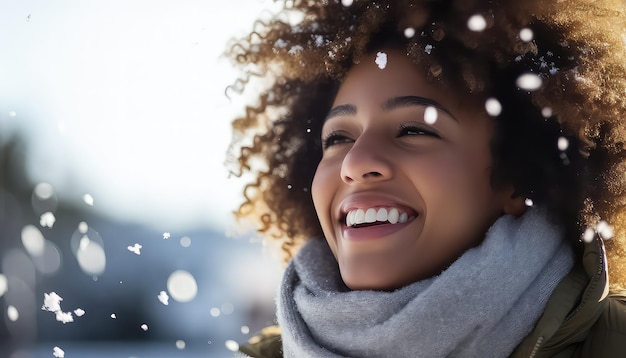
[403,186]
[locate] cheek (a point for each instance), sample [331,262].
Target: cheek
[322,190]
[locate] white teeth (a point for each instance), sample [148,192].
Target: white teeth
[381,215]
[360,216]
[393,216]
[370,215]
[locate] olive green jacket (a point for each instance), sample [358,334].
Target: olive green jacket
[581,318]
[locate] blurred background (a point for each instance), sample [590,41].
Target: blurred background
[116,234]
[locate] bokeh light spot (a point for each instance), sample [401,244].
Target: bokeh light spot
[4,284]
[185,241]
[477,23]
[12,313]
[33,240]
[493,107]
[232,345]
[529,81]
[526,34]
[182,286]
[91,258]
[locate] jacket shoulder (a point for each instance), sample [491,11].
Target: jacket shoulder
[267,344]
[607,337]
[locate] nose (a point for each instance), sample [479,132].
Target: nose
[366,162]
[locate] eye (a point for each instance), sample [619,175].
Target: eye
[334,139]
[416,130]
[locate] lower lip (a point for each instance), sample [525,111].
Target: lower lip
[372,232]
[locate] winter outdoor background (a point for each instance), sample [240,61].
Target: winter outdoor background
[113,129]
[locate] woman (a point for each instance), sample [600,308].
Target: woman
[441,176]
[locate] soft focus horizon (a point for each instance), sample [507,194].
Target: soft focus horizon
[123,101]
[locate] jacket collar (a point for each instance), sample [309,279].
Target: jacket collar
[573,308]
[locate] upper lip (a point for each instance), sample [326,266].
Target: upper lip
[365,200]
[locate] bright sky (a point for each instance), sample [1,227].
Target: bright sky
[124,100]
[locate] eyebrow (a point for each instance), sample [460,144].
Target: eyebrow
[407,101]
[391,104]
[342,110]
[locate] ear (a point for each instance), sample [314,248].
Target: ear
[513,203]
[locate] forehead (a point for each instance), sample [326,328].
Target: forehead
[389,73]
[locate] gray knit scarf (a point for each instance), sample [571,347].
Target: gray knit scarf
[483,305]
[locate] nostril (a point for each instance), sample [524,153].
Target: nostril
[372,174]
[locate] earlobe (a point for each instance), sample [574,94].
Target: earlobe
[514,204]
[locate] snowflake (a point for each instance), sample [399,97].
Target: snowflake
[47,219]
[163,297]
[166,235]
[79,312]
[58,352]
[381,60]
[52,303]
[65,317]
[135,249]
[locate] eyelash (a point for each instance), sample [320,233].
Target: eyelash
[419,130]
[332,137]
[335,138]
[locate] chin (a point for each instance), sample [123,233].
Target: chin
[371,284]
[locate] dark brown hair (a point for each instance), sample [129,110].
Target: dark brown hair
[561,145]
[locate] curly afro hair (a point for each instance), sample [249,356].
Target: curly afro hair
[561,144]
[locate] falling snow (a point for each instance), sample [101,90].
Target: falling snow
[381,60]
[477,23]
[562,144]
[526,35]
[58,352]
[546,112]
[430,115]
[47,219]
[166,235]
[135,249]
[65,317]
[113,316]
[605,230]
[428,48]
[409,32]
[493,107]
[245,329]
[588,235]
[232,345]
[83,227]
[529,81]
[295,49]
[528,202]
[88,199]
[164,298]
[79,312]
[52,303]
[144,327]
[13,313]
[346,3]
[180,344]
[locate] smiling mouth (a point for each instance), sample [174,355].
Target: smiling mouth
[359,218]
